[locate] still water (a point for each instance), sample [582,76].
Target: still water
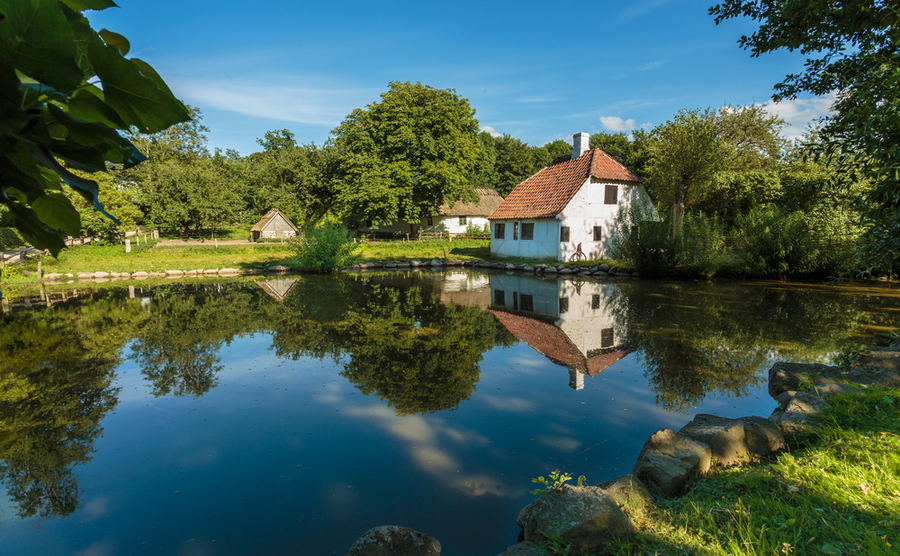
[289,415]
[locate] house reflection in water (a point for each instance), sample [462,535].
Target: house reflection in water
[571,323]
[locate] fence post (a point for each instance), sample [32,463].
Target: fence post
[128,246]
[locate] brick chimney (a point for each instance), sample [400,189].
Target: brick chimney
[580,144]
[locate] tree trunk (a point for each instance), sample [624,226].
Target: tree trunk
[677,216]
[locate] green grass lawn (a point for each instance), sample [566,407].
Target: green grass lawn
[152,257]
[836,491]
[148,258]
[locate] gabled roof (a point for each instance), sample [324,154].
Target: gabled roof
[546,193]
[271,215]
[488,201]
[551,342]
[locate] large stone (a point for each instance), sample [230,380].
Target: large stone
[762,436]
[526,548]
[437,262]
[734,441]
[799,413]
[628,491]
[885,340]
[101,275]
[790,376]
[391,540]
[884,358]
[667,461]
[585,518]
[279,268]
[830,389]
[725,437]
[874,375]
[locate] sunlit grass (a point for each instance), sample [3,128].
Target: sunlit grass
[837,491]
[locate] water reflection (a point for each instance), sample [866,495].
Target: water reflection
[572,323]
[416,345]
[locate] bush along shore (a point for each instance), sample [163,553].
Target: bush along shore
[821,475]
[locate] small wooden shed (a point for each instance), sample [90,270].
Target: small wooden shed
[274,225]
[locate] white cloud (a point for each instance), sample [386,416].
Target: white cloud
[799,113]
[651,65]
[615,123]
[635,10]
[326,106]
[492,131]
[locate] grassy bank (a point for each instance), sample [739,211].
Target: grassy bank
[153,257]
[835,491]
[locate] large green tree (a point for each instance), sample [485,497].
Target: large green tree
[850,49]
[297,179]
[684,154]
[65,91]
[181,185]
[402,157]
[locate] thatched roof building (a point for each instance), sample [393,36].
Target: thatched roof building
[274,225]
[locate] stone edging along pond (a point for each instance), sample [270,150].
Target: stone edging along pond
[585,517]
[562,270]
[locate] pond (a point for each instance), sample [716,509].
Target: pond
[289,415]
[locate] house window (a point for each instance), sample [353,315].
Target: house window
[612,195]
[499,297]
[368,223]
[595,302]
[499,231]
[515,301]
[606,338]
[598,233]
[527,302]
[515,230]
[462,220]
[528,230]
[430,221]
[564,234]
[563,305]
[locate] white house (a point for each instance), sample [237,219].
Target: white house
[454,220]
[574,200]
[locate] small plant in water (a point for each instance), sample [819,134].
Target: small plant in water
[556,481]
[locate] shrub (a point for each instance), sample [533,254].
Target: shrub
[644,240]
[700,245]
[10,239]
[325,247]
[779,243]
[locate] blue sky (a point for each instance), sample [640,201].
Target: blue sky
[535,70]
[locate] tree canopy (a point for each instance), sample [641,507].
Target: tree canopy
[683,156]
[850,52]
[65,91]
[402,157]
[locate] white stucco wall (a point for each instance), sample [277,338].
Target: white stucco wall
[545,244]
[586,210]
[451,224]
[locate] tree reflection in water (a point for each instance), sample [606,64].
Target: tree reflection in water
[56,373]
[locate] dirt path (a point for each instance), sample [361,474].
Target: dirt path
[185,243]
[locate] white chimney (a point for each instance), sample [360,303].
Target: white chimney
[580,144]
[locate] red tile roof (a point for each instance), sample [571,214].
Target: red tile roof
[546,193]
[551,342]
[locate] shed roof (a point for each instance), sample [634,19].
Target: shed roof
[488,201]
[546,193]
[272,215]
